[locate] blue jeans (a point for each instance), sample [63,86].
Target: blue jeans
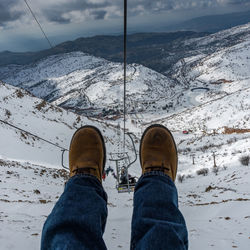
[79,217]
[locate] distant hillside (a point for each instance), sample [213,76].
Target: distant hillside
[214,23]
[147,49]
[207,93]
[92,86]
[87,85]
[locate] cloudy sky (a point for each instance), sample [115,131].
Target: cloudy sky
[68,19]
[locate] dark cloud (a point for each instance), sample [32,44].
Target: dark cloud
[99,14]
[101,9]
[56,16]
[238,2]
[7,14]
[69,11]
[57,12]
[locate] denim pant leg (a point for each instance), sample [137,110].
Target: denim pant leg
[157,222]
[79,217]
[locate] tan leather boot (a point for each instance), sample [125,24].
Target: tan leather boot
[87,152]
[158,151]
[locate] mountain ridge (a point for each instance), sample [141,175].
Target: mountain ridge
[108,47]
[214,23]
[204,101]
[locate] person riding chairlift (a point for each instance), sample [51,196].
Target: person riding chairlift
[124,180]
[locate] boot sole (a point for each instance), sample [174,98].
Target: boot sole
[102,139]
[168,131]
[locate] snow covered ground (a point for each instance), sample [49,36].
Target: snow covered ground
[213,184]
[216,208]
[31,176]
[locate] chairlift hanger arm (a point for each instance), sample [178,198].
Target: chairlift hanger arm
[62,163]
[118,159]
[130,136]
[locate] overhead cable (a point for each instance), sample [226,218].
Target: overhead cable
[36,136]
[40,26]
[125,71]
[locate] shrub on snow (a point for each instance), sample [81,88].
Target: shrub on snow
[202,171]
[244,160]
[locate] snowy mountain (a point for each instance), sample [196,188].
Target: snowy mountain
[33,132]
[79,82]
[214,23]
[93,86]
[45,125]
[207,94]
[143,48]
[213,86]
[206,45]
[217,84]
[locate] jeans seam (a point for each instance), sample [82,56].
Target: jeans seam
[100,186]
[86,175]
[156,173]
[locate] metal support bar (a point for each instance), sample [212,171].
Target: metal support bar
[63,151]
[129,134]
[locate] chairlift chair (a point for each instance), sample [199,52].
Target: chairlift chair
[124,183]
[123,163]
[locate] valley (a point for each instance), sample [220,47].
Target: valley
[204,99]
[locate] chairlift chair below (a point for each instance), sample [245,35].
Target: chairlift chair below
[124,182]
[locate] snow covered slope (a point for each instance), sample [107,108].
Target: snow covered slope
[31,176]
[224,70]
[79,81]
[222,39]
[214,107]
[216,85]
[209,96]
[47,125]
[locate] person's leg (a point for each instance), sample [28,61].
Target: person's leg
[79,217]
[157,222]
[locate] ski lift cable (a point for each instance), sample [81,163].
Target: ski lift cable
[125,71]
[38,137]
[40,26]
[125,60]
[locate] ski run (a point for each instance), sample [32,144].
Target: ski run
[205,102]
